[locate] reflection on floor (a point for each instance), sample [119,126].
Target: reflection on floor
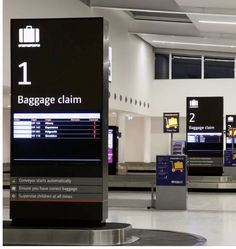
[212,215]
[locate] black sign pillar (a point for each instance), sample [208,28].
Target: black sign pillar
[59,110]
[205,135]
[230,128]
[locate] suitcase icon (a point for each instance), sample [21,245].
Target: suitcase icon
[29,35]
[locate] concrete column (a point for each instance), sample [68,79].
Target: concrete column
[147,140]
[121,123]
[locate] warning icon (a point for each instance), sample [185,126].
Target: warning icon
[29,37]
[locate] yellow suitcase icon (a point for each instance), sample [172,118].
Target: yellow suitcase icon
[177,166]
[171,122]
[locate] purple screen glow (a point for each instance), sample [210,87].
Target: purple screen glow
[110,146]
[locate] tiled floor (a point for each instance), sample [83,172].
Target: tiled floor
[212,215]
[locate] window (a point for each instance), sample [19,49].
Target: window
[186,67]
[189,66]
[218,68]
[162,66]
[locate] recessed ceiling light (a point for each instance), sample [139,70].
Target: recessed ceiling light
[216,22]
[195,44]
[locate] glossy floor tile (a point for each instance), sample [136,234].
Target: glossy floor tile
[211,215]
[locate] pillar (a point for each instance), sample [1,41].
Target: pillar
[147,140]
[121,123]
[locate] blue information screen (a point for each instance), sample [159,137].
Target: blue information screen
[171,170]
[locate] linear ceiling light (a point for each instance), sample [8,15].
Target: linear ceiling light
[195,44]
[217,22]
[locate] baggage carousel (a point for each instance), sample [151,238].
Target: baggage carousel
[108,234]
[148,181]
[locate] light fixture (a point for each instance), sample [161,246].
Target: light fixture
[217,22]
[219,60]
[186,58]
[129,117]
[195,44]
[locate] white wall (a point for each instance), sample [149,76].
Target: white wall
[134,140]
[133,64]
[170,95]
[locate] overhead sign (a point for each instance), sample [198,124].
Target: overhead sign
[171,122]
[59,105]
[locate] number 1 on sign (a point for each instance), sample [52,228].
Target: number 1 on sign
[24,82]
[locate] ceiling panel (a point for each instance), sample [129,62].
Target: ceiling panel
[164,28]
[178,20]
[190,43]
[217,27]
[137,4]
[155,16]
[220,4]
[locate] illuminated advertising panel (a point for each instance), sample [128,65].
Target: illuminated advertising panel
[59,105]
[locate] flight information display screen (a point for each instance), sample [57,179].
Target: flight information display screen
[204,137]
[81,132]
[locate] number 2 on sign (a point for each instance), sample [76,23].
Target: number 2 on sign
[24,82]
[191,120]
